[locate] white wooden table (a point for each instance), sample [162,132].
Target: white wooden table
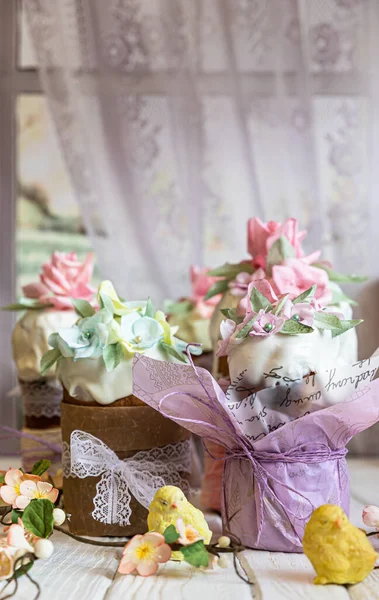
[79,571]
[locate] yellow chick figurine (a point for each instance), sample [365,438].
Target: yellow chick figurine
[169,505]
[339,552]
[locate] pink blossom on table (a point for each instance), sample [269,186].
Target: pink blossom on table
[370,516]
[295,276]
[37,489]
[201,283]
[16,537]
[188,534]
[263,286]
[62,278]
[239,285]
[261,236]
[11,491]
[262,323]
[302,310]
[143,553]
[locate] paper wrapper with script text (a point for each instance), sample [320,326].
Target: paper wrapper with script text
[285,451]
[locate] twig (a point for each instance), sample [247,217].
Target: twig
[372,533]
[5,514]
[78,538]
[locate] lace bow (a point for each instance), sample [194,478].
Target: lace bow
[140,475]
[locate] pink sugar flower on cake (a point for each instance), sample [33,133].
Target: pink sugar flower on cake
[261,236]
[295,276]
[143,553]
[62,278]
[201,283]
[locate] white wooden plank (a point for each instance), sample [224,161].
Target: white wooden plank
[180,580]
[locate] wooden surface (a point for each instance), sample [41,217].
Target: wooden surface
[78,571]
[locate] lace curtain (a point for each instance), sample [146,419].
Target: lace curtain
[180,119]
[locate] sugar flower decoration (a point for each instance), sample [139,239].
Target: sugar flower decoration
[143,553]
[188,534]
[16,537]
[201,283]
[140,332]
[261,236]
[6,563]
[62,278]
[36,489]
[11,491]
[370,516]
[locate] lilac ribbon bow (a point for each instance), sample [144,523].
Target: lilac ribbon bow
[241,447]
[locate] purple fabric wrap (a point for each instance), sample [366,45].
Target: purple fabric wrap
[271,486]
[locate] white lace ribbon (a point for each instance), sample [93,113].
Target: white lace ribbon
[140,475]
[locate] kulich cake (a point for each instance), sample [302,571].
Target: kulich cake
[278,257]
[94,361]
[192,315]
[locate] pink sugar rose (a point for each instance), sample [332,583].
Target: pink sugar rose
[261,236]
[295,276]
[265,324]
[263,286]
[303,312]
[61,279]
[201,283]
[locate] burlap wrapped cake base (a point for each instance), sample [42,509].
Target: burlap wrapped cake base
[125,430]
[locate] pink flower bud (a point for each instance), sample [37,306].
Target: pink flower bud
[370,516]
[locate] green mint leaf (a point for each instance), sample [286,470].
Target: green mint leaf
[279,251]
[345,326]
[112,356]
[259,301]
[83,307]
[292,327]
[49,359]
[219,287]
[246,329]
[339,277]
[196,554]
[40,467]
[229,270]
[38,517]
[170,534]
[16,515]
[174,352]
[279,307]
[149,310]
[309,293]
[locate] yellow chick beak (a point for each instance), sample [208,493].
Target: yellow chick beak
[174,505]
[338,523]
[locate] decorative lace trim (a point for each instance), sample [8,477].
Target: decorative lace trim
[41,398]
[140,475]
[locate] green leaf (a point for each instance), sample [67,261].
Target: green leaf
[16,515]
[40,467]
[83,307]
[229,270]
[23,569]
[339,277]
[2,478]
[231,313]
[177,308]
[174,352]
[27,304]
[292,327]
[38,517]
[196,554]
[112,356]
[149,310]
[106,302]
[245,330]
[339,295]
[279,251]
[259,301]
[345,326]
[309,293]
[324,320]
[170,534]
[280,305]
[49,359]
[219,287]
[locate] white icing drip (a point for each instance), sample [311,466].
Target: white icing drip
[88,379]
[29,339]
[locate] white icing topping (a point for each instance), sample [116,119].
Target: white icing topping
[88,379]
[29,339]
